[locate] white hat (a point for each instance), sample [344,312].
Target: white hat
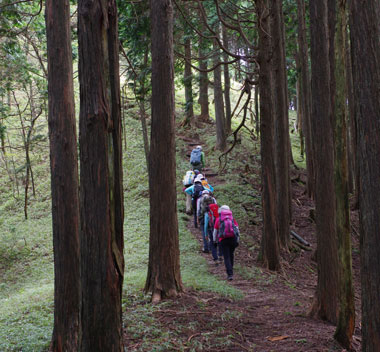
[198,147]
[198,178]
[224,207]
[205,191]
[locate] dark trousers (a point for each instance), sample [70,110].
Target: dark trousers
[216,249]
[228,247]
[194,203]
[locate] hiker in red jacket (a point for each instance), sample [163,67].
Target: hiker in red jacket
[226,234]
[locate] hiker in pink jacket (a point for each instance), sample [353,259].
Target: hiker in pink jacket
[226,234]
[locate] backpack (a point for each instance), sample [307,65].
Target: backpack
[206,185]
[212,215]
[188,178]
[227,227]
[195,156]
[205,202]
[198,188]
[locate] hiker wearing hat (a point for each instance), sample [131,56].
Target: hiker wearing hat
[197,158]
[226,234]
[203,202]
[205,183]
[195,192]
[188,180]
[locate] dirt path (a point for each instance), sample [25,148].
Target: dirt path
[273,314]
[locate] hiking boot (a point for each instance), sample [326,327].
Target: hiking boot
[220,259]
[229,277]
[216,262]
[205,251]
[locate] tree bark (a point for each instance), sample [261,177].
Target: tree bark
[203,80]
[188,82]
[365,34]
[346,319]
[305,96]
[281,140]
[257,113]
[221,142]
[64,178]
[101,197]
[326,298]
[227,83]
[164,278]
[269,243]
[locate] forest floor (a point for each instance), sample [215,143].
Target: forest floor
[273,314]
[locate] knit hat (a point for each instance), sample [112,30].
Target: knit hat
[224,207]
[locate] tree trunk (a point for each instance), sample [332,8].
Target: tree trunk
[326,298]
[282,143]
[64,178]
[305,96]
[269,244]
[227,83]
[346,319]
[188,82]
[101,197]
[352,127]
[257,113]
[221,142]
[203,81]
[365,34]
[164,277]
[300,115]
[143,114]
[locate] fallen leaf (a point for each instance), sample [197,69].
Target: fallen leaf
[278,338]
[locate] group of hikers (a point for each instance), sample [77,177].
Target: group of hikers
[220,231]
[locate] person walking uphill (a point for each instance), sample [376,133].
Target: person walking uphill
[188,180]
[226,233]
[195,192]
[197,158]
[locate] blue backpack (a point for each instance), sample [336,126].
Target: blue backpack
[195,156]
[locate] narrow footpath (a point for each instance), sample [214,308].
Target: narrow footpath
[273,315]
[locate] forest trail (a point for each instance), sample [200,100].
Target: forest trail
[273,315]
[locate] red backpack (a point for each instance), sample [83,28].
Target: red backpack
[212,214]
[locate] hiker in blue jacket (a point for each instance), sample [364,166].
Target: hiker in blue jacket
[195,192]
[202,208]
[209,221]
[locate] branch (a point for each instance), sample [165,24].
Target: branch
[14,3]
[209,69]
[246,89]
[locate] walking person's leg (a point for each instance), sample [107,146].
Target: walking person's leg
[205,238]
[227,257]
[188,204]
[194,202]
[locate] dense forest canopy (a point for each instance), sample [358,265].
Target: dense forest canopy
[100,103]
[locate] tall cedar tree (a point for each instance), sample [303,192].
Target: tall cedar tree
[188,83]
[365,34]
[64,178]
[227,82]
[280,110]
[305,95]
[203,76]
[101,197]
[326,298]
[269,244]
[221,140]
[164,277]
[346,319]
